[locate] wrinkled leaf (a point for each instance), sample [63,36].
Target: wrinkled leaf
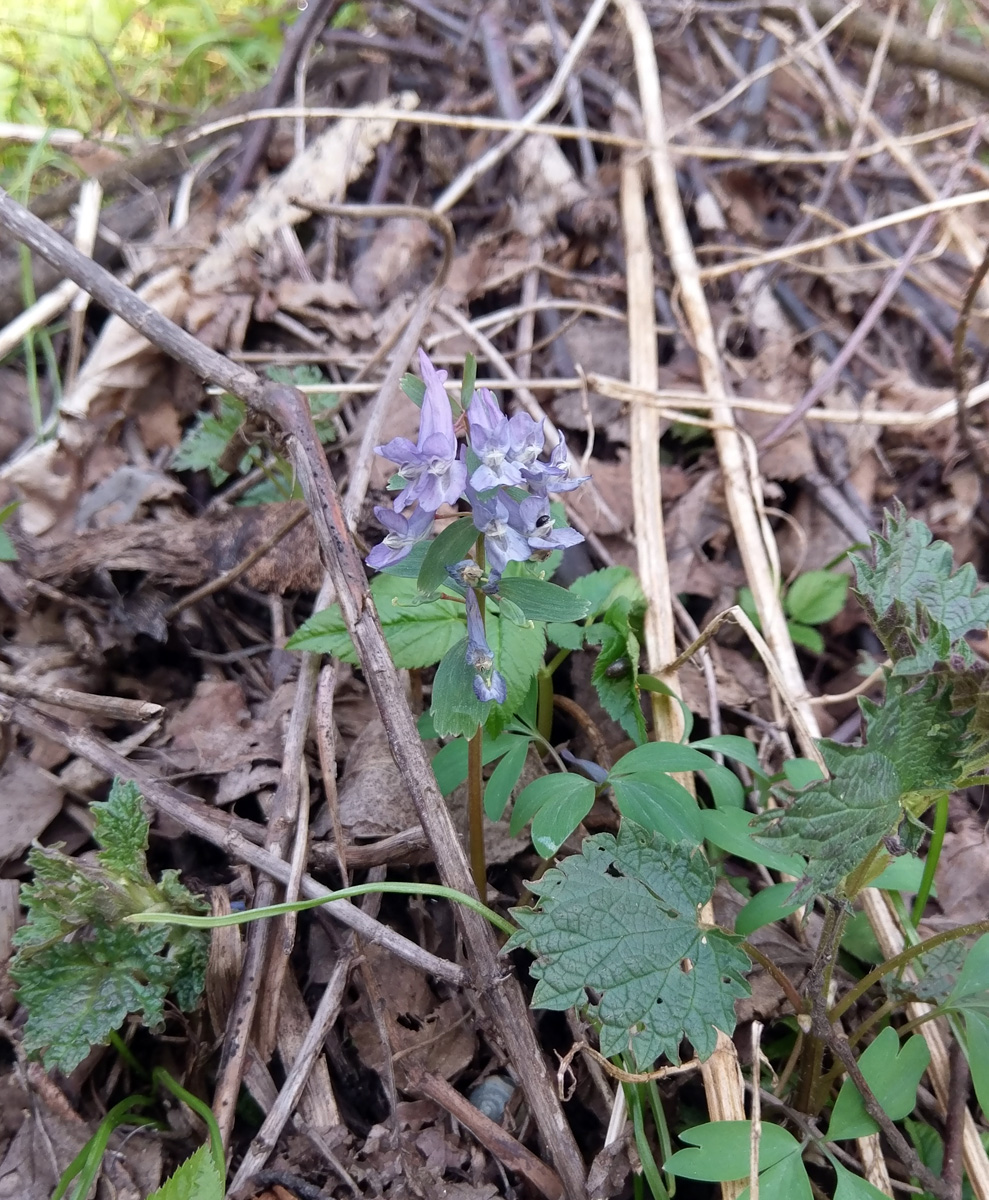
[621,918]
[195,1179]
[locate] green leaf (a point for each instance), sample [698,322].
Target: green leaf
[203,446]
[972,988]
[619,695]
[556,790]
[79,970]
[893,1072]
[837,822]
[414,388]
[445,549]
[503,779]
[602,588]
[565,635]
[557,820]
[816,597]
[455,710]
[738,748]
[902,875]
[78,993]
[771,904]
[660,757]
[8,552]
[620,918]
[409,566]
[661,805]
[195,1179]
[804,635]
[853,1187]
[977,1044]
[912,571]
[785,1180]
[730,829]
[121,828]
[723,1150]
[468,381]
[800,772]
[542,601]
[450,762]
[418,634]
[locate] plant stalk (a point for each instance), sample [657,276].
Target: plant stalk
[475,811]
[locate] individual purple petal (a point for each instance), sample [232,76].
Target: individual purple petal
[433,473]
[491,442]
[553,476]
[494,688]
[591,769]
[403,533]
[502,543]
[466,572]
[489,684]
[526,437]
[532,519]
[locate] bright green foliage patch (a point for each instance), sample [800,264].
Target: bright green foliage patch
[622,918]
[79,971]
[195,1179]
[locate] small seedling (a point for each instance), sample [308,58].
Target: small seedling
[812,599]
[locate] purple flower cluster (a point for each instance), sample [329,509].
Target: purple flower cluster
[434,471]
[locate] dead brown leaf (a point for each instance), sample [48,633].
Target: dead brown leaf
[30,799]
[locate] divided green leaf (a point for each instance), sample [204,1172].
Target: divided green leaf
[621,918]
[615,672]
[195,1179]
[893,1072]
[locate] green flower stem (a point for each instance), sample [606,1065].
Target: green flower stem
[901,960]
[162,1078]
[388,887]
[933,855]
[544,703]
[475,811]
[633,1099]
[662,1130]
[86,1163]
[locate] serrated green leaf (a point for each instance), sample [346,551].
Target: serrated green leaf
[971,990]
[602,588]
[620,918]
[456,711]
[915,729]
[542,601]
[619,695]
[418,634]
[723,1150]
[444,550]
[893,1072]
[79,992]
[912,571]
[836,823]
[565,635]
[121,828]
[503,779]
[202,446]
[816,597]
[195,1179]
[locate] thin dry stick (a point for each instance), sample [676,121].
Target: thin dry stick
[114,707]
[756,1037]
[499,991]
[960,374]
[852,233]
[281,1111]
[832,373]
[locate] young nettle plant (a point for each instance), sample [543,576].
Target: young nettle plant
[476,599]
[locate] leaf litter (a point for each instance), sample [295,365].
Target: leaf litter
[122,514]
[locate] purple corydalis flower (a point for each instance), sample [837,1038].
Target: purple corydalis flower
[434,474]
[532,519]
[489,684]
[502,542]
[403,533]
[591,769]
[491,441]
[527,439]
[553,476]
